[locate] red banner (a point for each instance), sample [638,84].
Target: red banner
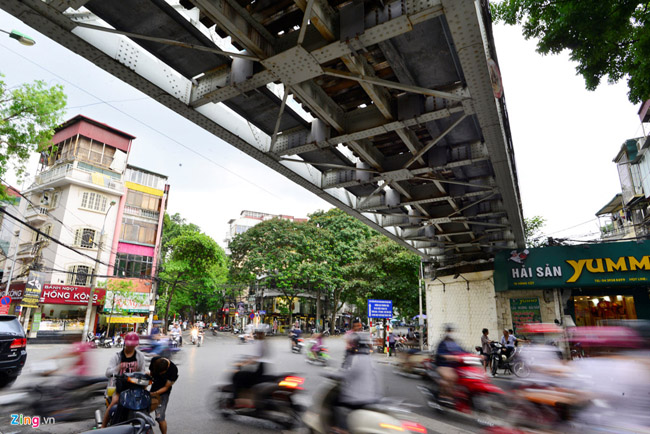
[68,294]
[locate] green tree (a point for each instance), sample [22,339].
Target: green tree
[533,231]
[385,270]
[174,226]
[605,37]
[28,115]
[344,234]
[195,263]
[275,251]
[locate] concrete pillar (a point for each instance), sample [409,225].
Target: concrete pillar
[467,301]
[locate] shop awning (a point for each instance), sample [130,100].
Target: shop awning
[636,199]
[614,205]
[126,319]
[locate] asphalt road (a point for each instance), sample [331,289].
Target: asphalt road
[190,409]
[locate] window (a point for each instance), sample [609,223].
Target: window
[143,200]
[46,229]
[79,275]
[85,237]
[133,265]
[93,201]
[138,231]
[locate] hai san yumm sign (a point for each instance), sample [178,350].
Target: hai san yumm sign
[589,265]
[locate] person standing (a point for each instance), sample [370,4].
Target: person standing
[275,326]
[164,373]
[486,349]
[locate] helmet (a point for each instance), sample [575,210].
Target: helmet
[360,343]
[132,340]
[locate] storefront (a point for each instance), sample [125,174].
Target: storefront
[63,307]
[16,291]
[592,284]
[125,311]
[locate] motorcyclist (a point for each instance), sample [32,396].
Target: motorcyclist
[294,335]
[508,341]
[126,361]
[251,370]
[446,354]
[176,330]
[317,347]
[360,383]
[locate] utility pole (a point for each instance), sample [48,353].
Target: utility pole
[420,318]
[93,281]
[13,263]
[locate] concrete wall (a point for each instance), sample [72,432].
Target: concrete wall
[448,300]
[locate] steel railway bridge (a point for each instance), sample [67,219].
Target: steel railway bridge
[390,110]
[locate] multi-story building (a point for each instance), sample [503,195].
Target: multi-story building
[626,216]
[85,196]
[248,219]
[8,228]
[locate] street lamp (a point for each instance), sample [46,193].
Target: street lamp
[20,37]
[93,281]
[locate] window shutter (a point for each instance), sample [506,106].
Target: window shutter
[84,200]
[77,237]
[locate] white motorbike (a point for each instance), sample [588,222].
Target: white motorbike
[383,417]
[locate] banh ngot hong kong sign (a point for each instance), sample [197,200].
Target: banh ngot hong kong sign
[605,264]
[129,302]
[380,308]
[70,294]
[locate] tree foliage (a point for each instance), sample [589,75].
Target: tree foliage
[385,270]
[28,115]
[605,37]
[194,271]
[533,231]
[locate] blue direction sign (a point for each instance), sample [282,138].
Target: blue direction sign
[380,308]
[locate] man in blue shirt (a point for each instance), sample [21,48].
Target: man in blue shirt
[446,354]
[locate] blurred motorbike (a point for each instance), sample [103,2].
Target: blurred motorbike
[319,358]
[474,394]
[383,417]
[66,398]
[133,406]
[414,364]
[297,344]
[512,364]
[272,399]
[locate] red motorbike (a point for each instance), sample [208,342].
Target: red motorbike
[474,394]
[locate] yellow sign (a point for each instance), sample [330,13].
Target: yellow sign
[126,319]
[144,189]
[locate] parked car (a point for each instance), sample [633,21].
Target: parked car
[13,349]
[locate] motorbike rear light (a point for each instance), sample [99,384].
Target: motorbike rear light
[19,343]
[391,426]
[292,382]
[414,427]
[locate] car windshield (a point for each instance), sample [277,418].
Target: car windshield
[10,325]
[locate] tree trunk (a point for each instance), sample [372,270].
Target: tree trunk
[318,308]
[335,309]
[169,302]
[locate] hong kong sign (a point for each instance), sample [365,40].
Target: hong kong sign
[68,294]
[589,265]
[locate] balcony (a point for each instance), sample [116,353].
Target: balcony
[614,232]
[139,212]
[69,173]
[36,216]
[27,252]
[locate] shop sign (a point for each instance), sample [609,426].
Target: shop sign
[524,311]
[36,323]
[69,294]
[33,290]
[126,319]
[15,292]
[590,265]
[127,302]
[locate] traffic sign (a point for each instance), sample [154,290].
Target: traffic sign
[262,312]
[251,316]
[4,305]
[380,308]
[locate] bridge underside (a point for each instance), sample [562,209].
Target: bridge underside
[385,109]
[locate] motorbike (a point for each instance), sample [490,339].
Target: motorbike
[296,344]
[320,358]
[175,340]
[272,399]
[386,416]
[194,336]
[512,364]
[66,398]
[119,341]
[134,404]
[414,364]
[474,394]
[162,347]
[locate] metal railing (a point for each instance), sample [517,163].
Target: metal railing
[68,170]
[139,212]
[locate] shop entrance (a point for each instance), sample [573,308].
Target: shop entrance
[597,310]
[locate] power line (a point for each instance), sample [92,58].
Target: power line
[52,238]
[146,125]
